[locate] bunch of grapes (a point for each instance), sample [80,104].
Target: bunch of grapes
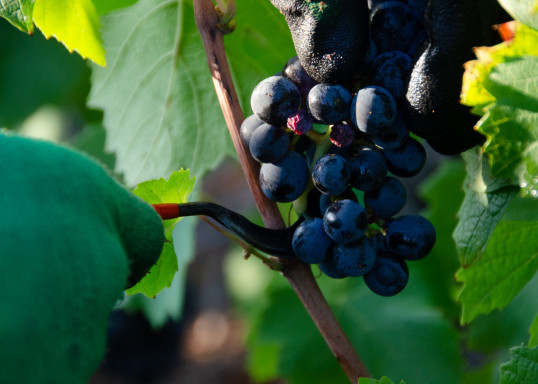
[336,151]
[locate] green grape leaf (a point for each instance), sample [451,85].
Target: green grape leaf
[533,342]
[174,190]
[159,276]
[383,380]
[74,23]
[18,13]
[369,321]
[502,85]
[511,123]
[509,262]
[522,368]
[160,107]
[522,10]
[510,326]
[105,6]
[486,200]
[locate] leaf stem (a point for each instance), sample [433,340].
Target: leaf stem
[298,274]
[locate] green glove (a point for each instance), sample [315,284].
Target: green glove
[71,240]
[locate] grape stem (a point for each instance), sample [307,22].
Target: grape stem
[298,274]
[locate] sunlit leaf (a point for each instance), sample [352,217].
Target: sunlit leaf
[74,23]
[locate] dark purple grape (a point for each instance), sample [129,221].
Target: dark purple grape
[330,174]
[379,241]
[390,70]
[368,169]
[374,3]
[326,200]
[274,99]
[393,26]
[411,236]
[342,135]
[310,242]
[285,180]
[389,275]
[329,269]
[300,122]
[329,103]
[345,221]
[372,109]
[345,152]
[294,71]
[268,143]
[392,136]
[388,199]
[354,259]
[419,8]
[248,126]
[406,160]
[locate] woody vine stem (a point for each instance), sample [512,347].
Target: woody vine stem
[210,25]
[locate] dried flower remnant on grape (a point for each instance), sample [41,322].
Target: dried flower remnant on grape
[300,122]
[342,135]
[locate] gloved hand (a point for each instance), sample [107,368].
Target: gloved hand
[71,240]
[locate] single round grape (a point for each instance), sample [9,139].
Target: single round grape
[248,126]
[285,180]
[388,199]
[330,174]
[411,236]
[354,259]
[368,169]
[326,200]
[389,275]
[390,70]
[345,221]
[393,26]
[268,143]
[294,71]
[392,136]
[310,242]
[372,109]
[406,160]
[419,8]
[328,268]
[274,99]
[329,103]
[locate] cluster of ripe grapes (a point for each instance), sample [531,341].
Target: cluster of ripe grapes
[336,150]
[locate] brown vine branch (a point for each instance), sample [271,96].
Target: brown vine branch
[298,274]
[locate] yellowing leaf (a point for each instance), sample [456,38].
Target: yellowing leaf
[74,23]
[474,92]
